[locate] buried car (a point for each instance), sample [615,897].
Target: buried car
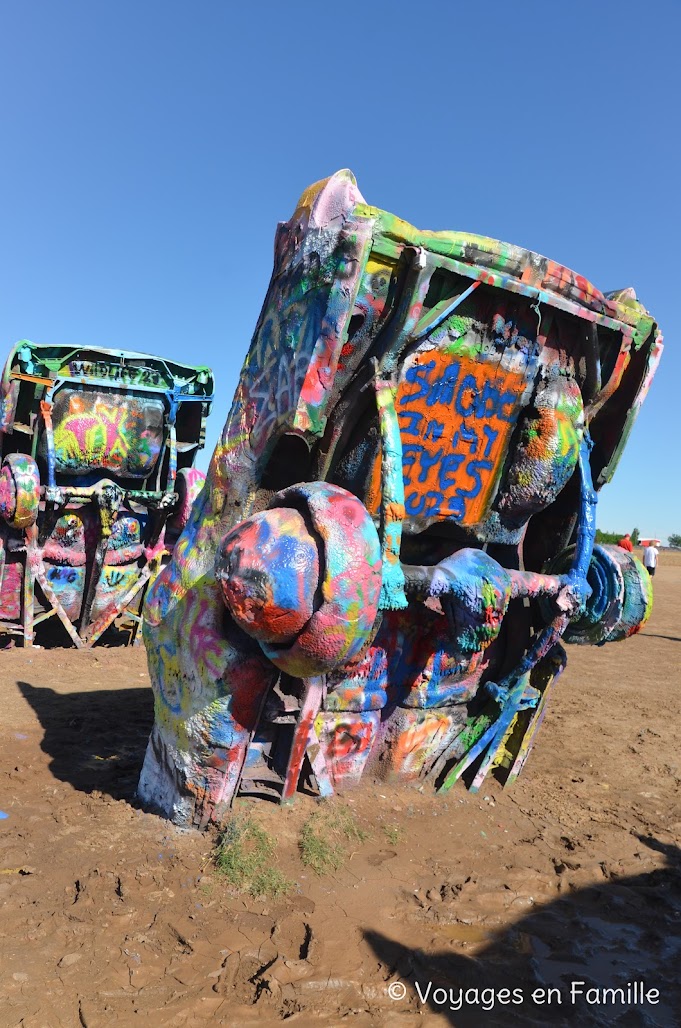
[97,478]
[397,526]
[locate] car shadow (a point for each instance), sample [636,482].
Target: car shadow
[97,739]
[627,930]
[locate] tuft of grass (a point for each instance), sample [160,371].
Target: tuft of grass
[245,854]
[323,838]
[348,826]
[270,884]
[317,850]
[392,834]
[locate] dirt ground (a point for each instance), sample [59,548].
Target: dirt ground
[111,916]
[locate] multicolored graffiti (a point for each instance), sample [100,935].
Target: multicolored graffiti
[96,483]
[115,433]
[455,423]
[398,523]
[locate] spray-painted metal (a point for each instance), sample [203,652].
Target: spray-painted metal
[398,522]
[96,481]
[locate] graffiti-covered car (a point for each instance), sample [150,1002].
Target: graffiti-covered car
[96,480]
[398,523]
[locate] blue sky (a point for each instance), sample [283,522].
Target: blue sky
[149,149]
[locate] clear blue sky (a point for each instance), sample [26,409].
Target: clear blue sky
[149,148]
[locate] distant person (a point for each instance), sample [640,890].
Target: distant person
[626,543]
[650,558]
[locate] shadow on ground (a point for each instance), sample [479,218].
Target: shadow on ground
[625,931]
[96,739]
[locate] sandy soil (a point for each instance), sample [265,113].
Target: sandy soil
[110,916]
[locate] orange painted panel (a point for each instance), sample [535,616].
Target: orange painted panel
[456,416]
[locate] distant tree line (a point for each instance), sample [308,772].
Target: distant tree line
[614,537]
[607,537]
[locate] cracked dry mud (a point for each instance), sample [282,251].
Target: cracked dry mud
[111,916]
